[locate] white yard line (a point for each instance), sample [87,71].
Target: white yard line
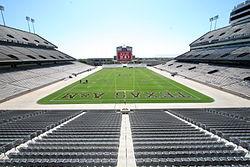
[63,92]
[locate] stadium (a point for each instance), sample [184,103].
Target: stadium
[193,110]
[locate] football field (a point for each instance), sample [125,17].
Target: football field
[125,85]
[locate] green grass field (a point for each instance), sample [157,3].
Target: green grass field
[125,85]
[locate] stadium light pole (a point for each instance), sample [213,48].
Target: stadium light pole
[28,21]
[216,18]
[2,9]
[211,22]
[33,22]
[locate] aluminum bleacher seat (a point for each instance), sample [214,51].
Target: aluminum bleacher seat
[219,122]
[9,115]
[241,113]
[160,139]
[20,129]
[91,139]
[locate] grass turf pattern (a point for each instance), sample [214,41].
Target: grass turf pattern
[125,85]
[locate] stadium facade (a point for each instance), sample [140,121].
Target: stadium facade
[204,136]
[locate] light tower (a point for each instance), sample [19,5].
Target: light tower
[216,18]
[28,21]
[2,9]
[211,22]
[33,22]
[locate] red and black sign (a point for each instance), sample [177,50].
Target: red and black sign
[124,54]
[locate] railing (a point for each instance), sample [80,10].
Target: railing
[239,37]
[241,4]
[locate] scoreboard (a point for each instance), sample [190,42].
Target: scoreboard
[124,54]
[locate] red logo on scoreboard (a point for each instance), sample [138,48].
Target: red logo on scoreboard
[124,56]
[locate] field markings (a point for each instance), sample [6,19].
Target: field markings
[134,79]
[139,85]
[151,79]
[176,85]
[169,81]
[186,91]
[115,81]
[147,81]
[128,90]
[120,100]
[157,83]
[69,89]
[66,91]
[127,81]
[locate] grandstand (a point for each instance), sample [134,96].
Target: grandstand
[29,62]
[120,134]
[220,58]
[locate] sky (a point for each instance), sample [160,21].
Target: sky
[94,28]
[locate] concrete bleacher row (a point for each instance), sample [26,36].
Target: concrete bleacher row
[16,54]
[227,45]
[92,138]
[14,82]
[231,33]
[233,79]
[223,54]
[21,47]
[12,35]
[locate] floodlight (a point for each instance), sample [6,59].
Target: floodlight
[27,18]
[1,8]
